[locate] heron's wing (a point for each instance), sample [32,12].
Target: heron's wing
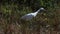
[27,17]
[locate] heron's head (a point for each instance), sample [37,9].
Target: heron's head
[42,9]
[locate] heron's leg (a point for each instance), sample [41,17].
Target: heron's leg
[31,24]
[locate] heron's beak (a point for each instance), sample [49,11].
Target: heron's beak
[45,10]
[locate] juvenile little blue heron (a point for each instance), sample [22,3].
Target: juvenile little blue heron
[31,15]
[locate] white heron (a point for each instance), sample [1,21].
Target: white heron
[31,15]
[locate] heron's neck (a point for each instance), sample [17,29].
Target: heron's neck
[36,12]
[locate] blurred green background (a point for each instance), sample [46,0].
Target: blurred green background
[12,10]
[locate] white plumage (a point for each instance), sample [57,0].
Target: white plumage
[31,15]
